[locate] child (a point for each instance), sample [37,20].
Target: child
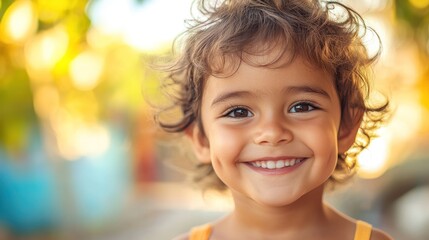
[274,99]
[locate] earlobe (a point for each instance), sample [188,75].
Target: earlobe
[348,129]
[199,142]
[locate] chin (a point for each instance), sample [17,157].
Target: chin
[277,201]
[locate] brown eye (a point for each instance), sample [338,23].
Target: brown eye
[239,113]
[302,107]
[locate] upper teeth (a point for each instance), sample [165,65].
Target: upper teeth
[276,164]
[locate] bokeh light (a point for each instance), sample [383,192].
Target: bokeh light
[86,70]
[77,139]
[46,49]
[19,22]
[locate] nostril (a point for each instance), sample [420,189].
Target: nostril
[274,136]
[274,140]
[273,130]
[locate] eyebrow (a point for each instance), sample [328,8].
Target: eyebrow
[228,95]
[306,89]
[287,91]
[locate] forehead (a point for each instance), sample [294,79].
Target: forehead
[271,53]
[287,73]
[268,56]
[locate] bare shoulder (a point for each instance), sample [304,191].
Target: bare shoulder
[184,236]
[377,234]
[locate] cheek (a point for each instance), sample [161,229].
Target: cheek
[225,143]
[322,139]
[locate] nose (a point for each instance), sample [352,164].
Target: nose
[272,132]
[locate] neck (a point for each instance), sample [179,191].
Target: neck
[307,212]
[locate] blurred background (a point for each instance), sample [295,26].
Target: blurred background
[79,156]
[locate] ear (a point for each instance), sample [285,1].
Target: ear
[349,128]
[199,142]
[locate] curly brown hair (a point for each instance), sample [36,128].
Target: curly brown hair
[234,29]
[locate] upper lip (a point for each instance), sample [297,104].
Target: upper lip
[276,158]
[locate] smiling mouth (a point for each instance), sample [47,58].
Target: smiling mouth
[277,164]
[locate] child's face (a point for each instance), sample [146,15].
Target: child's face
[260,119]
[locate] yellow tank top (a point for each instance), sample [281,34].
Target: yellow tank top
[363,232]
[201,233]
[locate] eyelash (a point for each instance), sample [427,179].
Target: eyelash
[305,103]
[234,108]
[311,105]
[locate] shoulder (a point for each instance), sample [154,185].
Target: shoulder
[377,234]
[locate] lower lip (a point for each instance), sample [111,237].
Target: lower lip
[275,171]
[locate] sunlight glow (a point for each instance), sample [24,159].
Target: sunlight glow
[376,5]
[19,22]
[146,26]
[86,70]
[373,160]
[370,39]
[408,118]
[389,146]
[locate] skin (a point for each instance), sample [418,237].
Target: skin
[288,112]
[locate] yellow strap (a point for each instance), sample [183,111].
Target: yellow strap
[201,232]
[363,231]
